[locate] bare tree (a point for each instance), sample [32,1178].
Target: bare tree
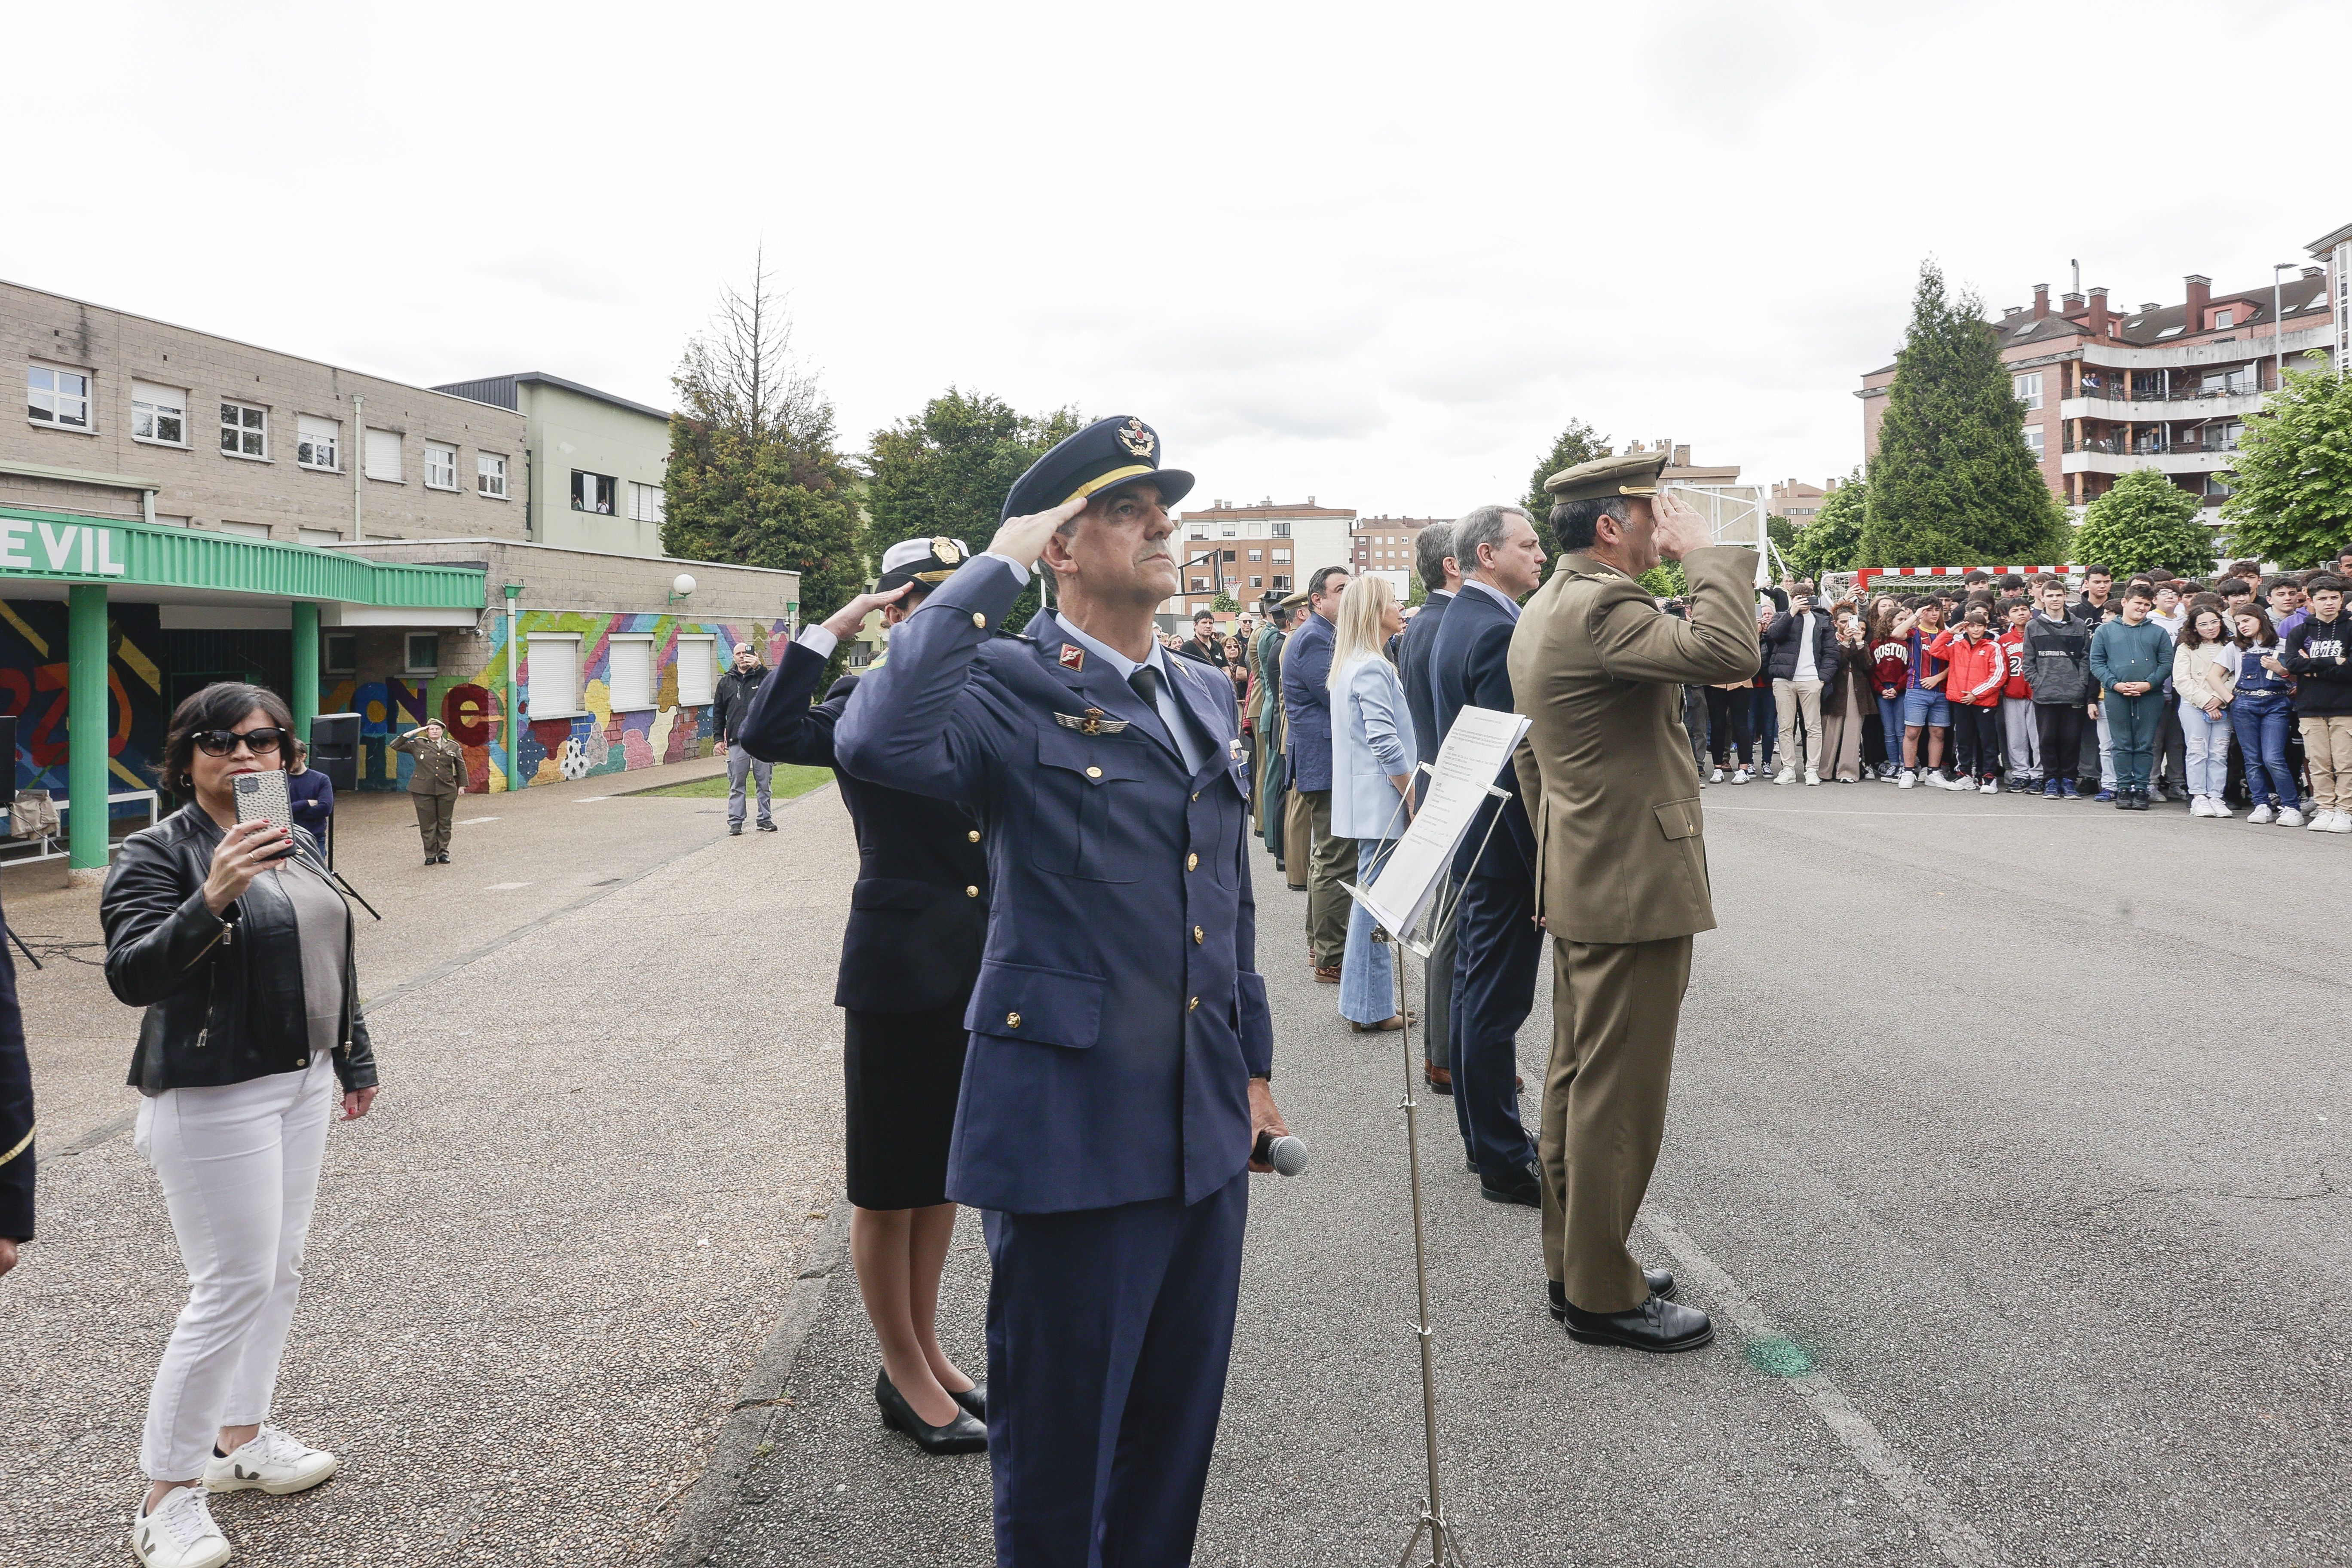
[741,375]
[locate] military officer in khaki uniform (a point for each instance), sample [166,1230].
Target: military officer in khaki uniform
[1621,864]
[433,784]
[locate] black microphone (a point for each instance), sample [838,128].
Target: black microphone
[1286,1155]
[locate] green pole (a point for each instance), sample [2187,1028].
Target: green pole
[514,723]
[306,667]
[86,726]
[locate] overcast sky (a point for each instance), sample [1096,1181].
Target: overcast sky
[1377,254]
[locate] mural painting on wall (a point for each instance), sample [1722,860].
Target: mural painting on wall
[599,741]
[33,687]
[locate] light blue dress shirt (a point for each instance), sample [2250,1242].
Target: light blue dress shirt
[1170,706]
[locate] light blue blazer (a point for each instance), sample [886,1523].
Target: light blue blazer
[1372,738]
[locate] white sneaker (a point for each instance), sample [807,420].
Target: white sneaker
[2342,823]
[1813,777]
[275,1462]
[1716,777]
[2318,821]
[2216,806]
[2261,815]
[2289,817]
[2197,806]
[1785,775]
[1908,779]
[1739,776]
[1988,787]
[180,1533]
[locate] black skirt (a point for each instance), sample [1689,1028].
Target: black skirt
[903,1071]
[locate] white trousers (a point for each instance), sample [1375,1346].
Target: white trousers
[239,1166]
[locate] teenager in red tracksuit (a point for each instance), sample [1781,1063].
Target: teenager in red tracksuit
[2018,722]
[1977,668]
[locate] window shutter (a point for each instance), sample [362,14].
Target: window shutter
[631,677]
[552,687]
[383,453]
[698,671]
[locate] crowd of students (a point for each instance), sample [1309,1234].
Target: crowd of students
[2232,693]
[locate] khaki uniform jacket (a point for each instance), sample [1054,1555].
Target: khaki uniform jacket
[440,770]
[1606,769]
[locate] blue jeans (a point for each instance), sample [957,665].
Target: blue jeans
[2261,720]
[1890,727]
[1367,968]
[2209,749]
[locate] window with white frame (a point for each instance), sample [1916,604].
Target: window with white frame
[316,536]
[1279,529]
[490,475]
[698,671]
[383,453]
[245,430]
[644,502]
[1258,554]
[593,492]
[57,397]
[552,683]
[339,652]
[440,467]
[2033,440]
[2027,389]
[318,442]
[159,414]
[1282,555]
[421,652]
[630,678]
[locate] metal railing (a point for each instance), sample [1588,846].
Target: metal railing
[2116,446]
[2177,394]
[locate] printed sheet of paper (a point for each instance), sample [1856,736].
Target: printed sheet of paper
[1476,749]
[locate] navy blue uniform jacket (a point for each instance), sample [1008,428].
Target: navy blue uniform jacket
[1307,703]
[920,909]
[1119,1014]
[1470,667]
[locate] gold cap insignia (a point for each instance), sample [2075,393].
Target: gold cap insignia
[946,550]
[1136,438]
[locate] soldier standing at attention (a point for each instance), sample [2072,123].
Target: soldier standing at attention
[1621,864]
[433,784]
[1121,1049]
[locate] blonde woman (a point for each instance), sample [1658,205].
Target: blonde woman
[1372,751]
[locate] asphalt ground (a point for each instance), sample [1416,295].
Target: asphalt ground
[2006,1146]
[545,1263]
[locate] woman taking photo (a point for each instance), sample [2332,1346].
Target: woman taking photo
[242,957]
[1372,754]
[2204,688]
[1848,702]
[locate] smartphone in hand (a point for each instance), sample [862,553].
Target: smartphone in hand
[263,797]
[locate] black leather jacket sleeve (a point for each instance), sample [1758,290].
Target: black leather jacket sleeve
[157,927]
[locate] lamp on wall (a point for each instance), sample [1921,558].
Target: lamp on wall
[679,587]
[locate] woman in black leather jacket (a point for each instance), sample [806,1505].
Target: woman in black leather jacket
[239,948]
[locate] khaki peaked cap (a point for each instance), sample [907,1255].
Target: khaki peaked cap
[1605,478]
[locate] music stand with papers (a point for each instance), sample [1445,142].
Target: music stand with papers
[1408,887]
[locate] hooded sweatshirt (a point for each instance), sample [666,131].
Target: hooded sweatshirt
[2013,646]
[2320,654]
[2058,659]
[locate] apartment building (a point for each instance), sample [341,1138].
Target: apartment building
[1797,501]
[2166,385]
[178,507]
[594,462]
[1250,550]
[1383,545]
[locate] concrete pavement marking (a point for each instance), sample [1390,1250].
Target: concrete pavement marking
[1954,1541]
[505,887]
[472,821]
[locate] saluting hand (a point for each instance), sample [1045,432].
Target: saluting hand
[1024,538]
[1680,528]
[843,622]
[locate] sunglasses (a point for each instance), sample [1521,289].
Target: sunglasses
[221,743]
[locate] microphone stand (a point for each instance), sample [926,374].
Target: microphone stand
[1444,1542]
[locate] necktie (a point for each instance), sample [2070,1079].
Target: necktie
[1146,681]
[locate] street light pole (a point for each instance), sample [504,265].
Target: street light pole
[2278,326]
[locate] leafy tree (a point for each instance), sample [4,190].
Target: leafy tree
[1832,540]
[1666,580]
[1417,595]
[2291,484]
[946,471]
[1953,483]
[1577,444]
[753,477]
[2146,521]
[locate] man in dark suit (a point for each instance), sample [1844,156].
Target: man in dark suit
[1441,580]
[1307,700]
[1496,944]
[15,1117]
[1121,1048]
[910,954]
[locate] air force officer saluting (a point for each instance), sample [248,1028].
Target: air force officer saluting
[1122,1046]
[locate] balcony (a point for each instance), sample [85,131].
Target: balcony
[2150,410]
[2109,457]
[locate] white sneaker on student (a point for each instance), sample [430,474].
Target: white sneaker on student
[2319,820]
[2342,823]
[1785,775]
[2216,806]
[2261,815]
[1812,776]
[2289,817]
[1716,777]
[2197,806]
[179,1534]
[1988,787]
[1908,779]
[1739,776]
[275,1462]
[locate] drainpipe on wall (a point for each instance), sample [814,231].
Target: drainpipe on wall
[514,720]
[359,462]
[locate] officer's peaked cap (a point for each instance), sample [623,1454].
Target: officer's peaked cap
[1106,453]
[929,562]
[1606,479]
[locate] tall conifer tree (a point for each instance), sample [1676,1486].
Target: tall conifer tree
[1577,444]
[1953,483]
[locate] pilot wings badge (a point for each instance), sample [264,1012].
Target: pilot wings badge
[1090,723]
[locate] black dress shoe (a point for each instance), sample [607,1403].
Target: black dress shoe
[1661,1280]
[443,857]
[961,1435]
[974,1399]
[734,830]
[766,827]
[1657,1324]
[1521,1186]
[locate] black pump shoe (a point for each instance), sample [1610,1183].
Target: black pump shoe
[961,1435]
[1657,1324]
[974,1399]
[1660,1282]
